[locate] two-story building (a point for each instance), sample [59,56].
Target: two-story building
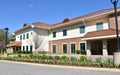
[95,33]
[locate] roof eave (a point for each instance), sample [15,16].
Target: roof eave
[81,20]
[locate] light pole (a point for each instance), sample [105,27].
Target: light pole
[114,2]
[6,31]
[116,56]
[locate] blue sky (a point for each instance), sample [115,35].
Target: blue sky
[14,13]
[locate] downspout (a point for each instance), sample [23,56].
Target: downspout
[84,22]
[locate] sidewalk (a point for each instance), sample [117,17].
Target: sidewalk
[61,66]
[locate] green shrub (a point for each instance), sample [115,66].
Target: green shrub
[18,51]
[43,57]
[31,55]
[57,57]
[50,57]
[83,58]
[77,51]
[64,58]
[19,55]
[82,52]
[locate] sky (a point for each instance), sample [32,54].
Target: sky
[15,13]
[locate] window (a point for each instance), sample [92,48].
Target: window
[23,36]
[65,48]
[27,37]
[31,48]
[65,32]
[82,46]
[54,34]
[26,48]
[82,29]
[99,26]
[72,48]
[20,37]
[23,48]
[54,48]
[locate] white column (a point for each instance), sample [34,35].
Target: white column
[105,52]
[88,49]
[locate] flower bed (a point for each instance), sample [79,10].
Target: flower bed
[63,60]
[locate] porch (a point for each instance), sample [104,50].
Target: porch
[101,42]
[13,46]
[103,47]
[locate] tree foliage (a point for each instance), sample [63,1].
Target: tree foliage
[2,35]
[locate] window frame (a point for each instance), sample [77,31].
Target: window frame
[73,52]
[54,34]
[54,52]
[65,32]
[81,46]
[98,26]
[82,29]
[27,36]
[64,51]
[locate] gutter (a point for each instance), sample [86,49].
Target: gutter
[77,21]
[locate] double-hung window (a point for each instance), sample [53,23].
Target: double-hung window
[65,48]
[54,48]
[82,46]
[54,34]
[20,37]
[65,32]
[99,26]
[23,36]
[73,48]
[27,37]
[82,29]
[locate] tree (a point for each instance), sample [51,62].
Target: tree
[2,40]
[38,42]
[2,35]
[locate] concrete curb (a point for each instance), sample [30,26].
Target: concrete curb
[67,67]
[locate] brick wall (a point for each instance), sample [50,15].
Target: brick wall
[59,43]
[112,21]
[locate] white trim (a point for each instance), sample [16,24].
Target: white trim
[100,37]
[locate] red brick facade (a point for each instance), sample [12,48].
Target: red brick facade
[112,21]
[69,41]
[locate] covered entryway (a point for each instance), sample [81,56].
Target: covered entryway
[96,47]
[101,42]
[13,46]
